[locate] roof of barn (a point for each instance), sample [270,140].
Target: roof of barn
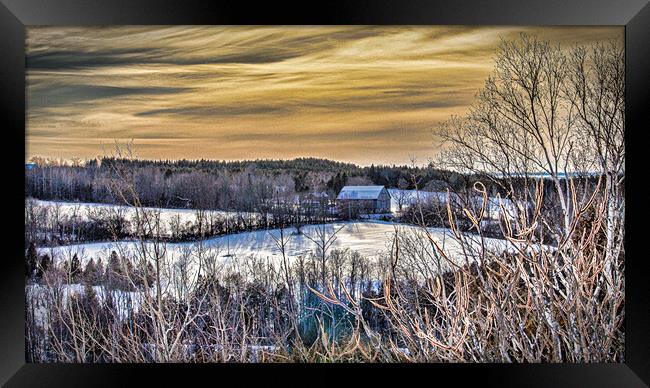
[360,192]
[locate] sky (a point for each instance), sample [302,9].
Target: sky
[361,94]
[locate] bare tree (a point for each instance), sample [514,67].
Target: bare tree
[402,195]
[529,119]
[596,90]
[323,239]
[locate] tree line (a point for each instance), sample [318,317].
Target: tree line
[238,185]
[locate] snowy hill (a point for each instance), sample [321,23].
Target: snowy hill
[371,239]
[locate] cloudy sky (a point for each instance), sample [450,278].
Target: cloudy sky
[360,94]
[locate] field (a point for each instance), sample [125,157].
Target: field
[370,238]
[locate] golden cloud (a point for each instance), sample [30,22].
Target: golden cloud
[364,94]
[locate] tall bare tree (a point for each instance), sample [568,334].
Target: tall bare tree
[546,110]
[596,91]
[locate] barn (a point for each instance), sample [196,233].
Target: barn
[363,199]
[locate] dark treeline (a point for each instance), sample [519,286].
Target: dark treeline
[238,185]
[288,192]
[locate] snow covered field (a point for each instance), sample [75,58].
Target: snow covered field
[83,210]
[371,239]
[406,197]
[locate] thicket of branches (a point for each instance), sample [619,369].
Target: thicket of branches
[419,303]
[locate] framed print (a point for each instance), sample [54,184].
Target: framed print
[408,189]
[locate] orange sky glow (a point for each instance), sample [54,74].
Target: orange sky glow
[362,94]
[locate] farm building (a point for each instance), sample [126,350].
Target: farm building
[363,199]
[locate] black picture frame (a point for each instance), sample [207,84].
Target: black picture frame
[16,14]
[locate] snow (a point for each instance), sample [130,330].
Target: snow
[83,210]
[371,239]
[408,198]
